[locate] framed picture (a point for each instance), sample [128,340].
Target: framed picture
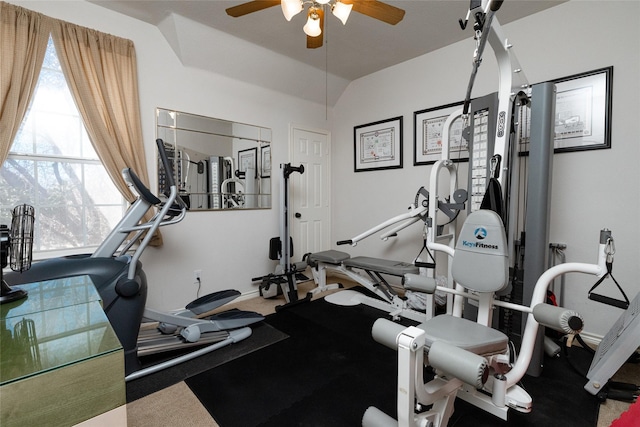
[583,111]
[378,145]
[247,159]
[428,128]
[265,161]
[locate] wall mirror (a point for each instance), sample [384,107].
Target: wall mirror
[218,164]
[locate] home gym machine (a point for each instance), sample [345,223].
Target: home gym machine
[471,359]
[122,285]
[284,279]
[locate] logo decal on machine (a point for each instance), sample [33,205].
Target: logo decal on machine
[480,233]
[501,123]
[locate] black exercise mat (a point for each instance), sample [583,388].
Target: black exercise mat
[262,336]
[330,370]
[559,398]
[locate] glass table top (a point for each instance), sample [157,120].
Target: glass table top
[50,294]
[59,323]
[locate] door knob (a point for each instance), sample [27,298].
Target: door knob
[298,215]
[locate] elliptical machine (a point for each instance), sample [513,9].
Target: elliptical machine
[122,284]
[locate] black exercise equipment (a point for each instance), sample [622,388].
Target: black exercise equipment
[284,279]
[121,282]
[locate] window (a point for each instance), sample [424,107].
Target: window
[53,167]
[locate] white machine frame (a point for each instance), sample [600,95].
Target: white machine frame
[387,300]
[392,303]
[499,391]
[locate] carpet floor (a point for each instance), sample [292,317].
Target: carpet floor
[330,370]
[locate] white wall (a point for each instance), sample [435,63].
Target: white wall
[229,247]
[591,190]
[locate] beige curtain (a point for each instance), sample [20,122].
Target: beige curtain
[102,74]
[23,41]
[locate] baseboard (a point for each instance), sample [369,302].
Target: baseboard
[591,339]
[248,295]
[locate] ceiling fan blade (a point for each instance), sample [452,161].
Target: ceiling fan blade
[378,10]
[316,42]
[250,7]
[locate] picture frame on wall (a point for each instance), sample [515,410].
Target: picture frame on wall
[265,161]
[247,159]
[428,128]
[583,111]
[378,145]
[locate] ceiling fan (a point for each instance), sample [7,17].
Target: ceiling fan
[315,14]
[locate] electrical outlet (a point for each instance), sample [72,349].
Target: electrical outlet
[197,275]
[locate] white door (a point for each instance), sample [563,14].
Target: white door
[309,192]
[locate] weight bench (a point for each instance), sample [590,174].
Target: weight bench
[341,263]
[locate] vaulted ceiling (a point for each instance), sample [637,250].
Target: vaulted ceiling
[361,47]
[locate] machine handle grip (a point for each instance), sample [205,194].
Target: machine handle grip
[168,167]
[465,108]
[299,169]
[495,5]
[424,264]
[345,242]
[141,189]
[609,301]
[288,169]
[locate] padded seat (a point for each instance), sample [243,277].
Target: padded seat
[394,268]
[465,334]
[329,257]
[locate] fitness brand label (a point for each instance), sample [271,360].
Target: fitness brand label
[501,122]
[485,239]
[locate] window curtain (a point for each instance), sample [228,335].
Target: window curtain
[102,74]
[23,42]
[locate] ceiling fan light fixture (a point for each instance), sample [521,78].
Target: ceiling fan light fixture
[290,8]
[312,27]
[341,11]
